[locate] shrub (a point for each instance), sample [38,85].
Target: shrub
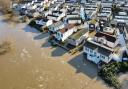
[53,44]
[109,73]
[32,23]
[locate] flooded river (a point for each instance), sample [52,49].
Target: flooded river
[34,64]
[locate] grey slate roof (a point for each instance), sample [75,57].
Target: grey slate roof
[97,48]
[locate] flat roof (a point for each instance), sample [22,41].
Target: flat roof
[78,34]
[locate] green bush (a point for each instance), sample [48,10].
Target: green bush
[53,44]
[32,23]
[109,73]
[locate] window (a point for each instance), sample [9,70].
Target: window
[61,35]
[91,51]
[86,49]
[102,56]
[94,53]
[58,34]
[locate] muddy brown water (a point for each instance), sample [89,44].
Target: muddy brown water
[34,64]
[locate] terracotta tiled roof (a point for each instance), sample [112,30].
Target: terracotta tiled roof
[68,27]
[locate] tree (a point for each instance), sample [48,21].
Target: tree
[4,5]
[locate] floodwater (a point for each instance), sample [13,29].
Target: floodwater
[34,64]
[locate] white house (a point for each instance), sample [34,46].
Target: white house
[104,16]
[120,1]
[38,3]
[53,7]
[47,12]
[125,7]
[106,3]
[31,13]
[71,15]
[53,17]
[90,4]
[106,40]
[56,26]
[96,53]
[58,13]
[123,30]
[65,32]
[110,30]
[106,9]
[43,22]
[91,12]
[121,17]
[126,33]
[78,37]
[73,20]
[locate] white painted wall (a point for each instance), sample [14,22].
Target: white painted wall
[70,16]
[68,33]
[96,57]
[59,36]
[49,22]
[77,41]
[52,18]
[108,43]
[74,21]
[56,28]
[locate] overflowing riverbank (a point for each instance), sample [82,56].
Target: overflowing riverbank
[34,64]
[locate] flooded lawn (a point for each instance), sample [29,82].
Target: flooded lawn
[34,64]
